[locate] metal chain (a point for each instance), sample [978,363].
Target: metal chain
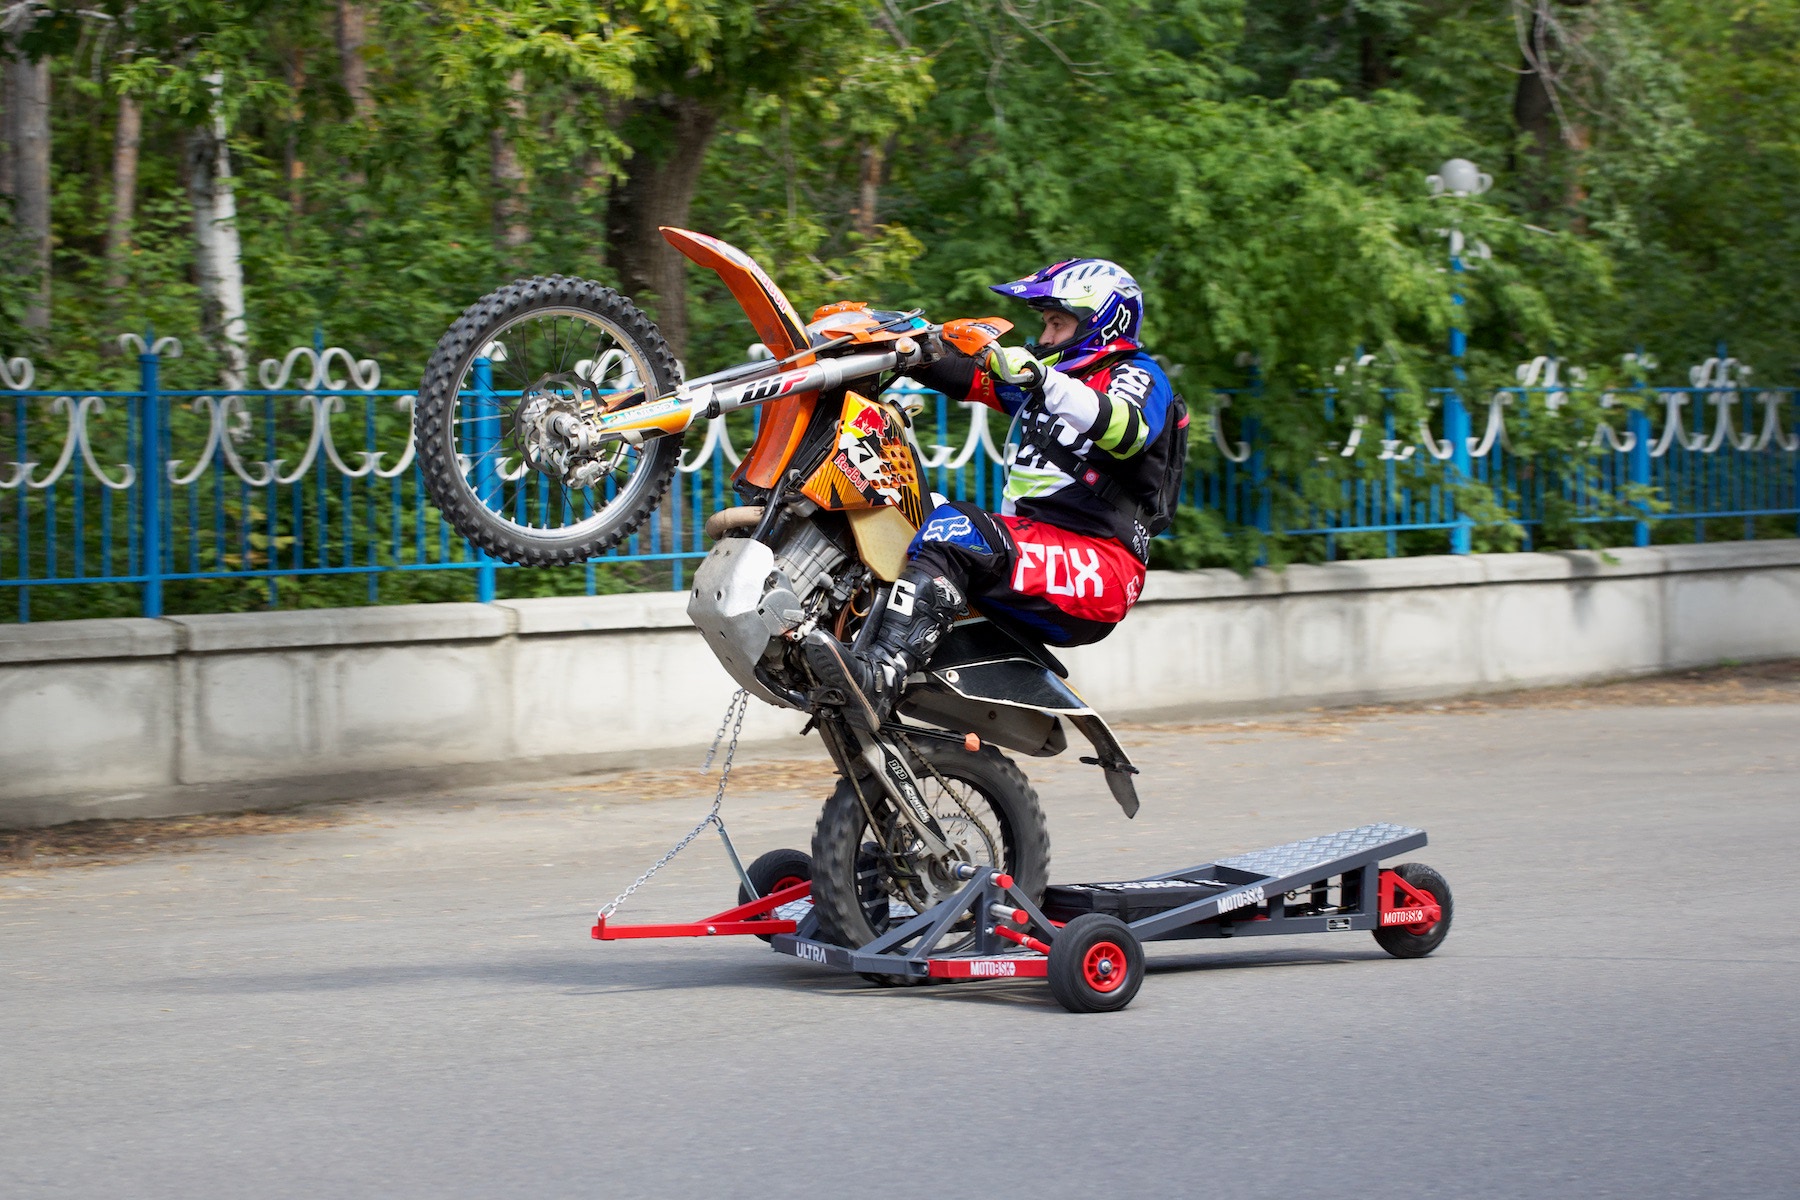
[734,717]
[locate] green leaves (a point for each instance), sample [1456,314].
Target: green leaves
[474,46]
[1259,167]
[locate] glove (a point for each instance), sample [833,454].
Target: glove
[1013,365]
[955,373]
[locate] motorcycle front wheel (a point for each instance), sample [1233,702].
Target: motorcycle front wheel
[856,891]
[555,341]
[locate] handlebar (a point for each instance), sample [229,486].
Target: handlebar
[729,390]
[819,377]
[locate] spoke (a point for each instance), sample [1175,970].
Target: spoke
[562,361]
[518,356]
[594,356]
[496,448]
[600,349]
[539,345]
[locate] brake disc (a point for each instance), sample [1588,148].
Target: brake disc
[553,430]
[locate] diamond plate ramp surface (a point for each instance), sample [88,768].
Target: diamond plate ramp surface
[1296,857]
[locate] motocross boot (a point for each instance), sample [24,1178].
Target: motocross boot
[918,612]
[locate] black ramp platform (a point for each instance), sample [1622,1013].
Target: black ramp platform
[1245,894]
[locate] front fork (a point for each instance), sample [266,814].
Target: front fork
[888,765]
[902,786]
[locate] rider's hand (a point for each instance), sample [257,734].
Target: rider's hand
[1014,365]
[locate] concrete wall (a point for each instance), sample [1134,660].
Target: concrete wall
[187,714]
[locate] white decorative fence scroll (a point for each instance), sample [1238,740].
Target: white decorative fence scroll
[304,394]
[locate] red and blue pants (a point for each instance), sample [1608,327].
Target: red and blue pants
[1069,589]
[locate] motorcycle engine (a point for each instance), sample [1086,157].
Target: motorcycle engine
[749,597]
[806,564]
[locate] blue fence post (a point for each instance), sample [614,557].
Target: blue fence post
[1259,479]
[1456,420]
[150,475]
[1456,432]
[484,435]
[1638,466]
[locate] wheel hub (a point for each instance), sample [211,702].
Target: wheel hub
[554,433]
[1104,966]
[940,873]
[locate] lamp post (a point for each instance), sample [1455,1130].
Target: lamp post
[1458,177]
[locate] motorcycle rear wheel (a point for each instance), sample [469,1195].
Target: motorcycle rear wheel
[853,908]
[555,337]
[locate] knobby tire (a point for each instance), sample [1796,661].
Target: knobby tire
[437,406]
[837,839]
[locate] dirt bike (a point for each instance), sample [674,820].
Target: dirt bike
[549,425]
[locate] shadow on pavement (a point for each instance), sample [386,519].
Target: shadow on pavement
[601,975]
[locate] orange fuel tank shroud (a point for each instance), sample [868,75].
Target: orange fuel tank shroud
[781,330]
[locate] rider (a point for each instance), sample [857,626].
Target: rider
[1065,556]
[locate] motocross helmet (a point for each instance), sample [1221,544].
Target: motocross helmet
[1105,300]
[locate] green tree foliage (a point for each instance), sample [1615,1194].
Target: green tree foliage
[1259,166]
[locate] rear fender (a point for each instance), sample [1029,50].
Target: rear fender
[1013,688]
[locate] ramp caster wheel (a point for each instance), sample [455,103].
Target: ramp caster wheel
[774,871]
[1096,964]
[1411,941]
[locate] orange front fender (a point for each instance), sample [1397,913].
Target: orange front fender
[776,322]
[779,327]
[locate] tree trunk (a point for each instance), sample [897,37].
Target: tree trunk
[595,172]
[124,180]
[868,189]
[28,114]
[217,252]
[353,74]
[1576,192]
[1534,112]
[6,117]
[512,230]
[293,166]
[1558,141]
[352,34]
[1377,71]
[671,134]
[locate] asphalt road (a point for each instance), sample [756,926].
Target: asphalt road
[407,1004]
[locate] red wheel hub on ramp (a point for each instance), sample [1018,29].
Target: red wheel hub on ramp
[1104,967]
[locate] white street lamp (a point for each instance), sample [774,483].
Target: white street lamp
[1459,177]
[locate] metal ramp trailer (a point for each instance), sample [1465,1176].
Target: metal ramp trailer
[1086,938]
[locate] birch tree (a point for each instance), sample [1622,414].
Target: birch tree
[127,141]
[218,251]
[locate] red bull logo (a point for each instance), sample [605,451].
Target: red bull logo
[868,421]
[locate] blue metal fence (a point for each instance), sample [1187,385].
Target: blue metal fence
[312,475]
[1717,449]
